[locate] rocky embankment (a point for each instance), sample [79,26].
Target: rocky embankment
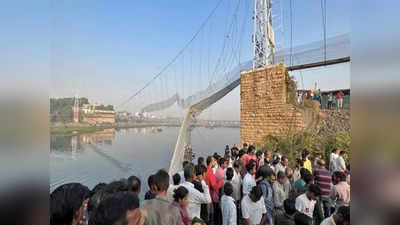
[333,121]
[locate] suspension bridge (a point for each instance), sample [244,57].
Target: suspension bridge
[207,68]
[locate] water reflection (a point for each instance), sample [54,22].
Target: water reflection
[113,154]
[77,143]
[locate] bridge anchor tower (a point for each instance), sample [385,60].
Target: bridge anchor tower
[263,36]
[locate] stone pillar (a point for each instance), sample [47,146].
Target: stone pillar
[263,105]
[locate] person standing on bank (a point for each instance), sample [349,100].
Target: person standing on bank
[237,185]
[253,208]
[159,210]
[282,165]
[212,183]
[305,203]
[307,162]
[249,181]
[228,206]
[268,193]
[219,175]
[340,162]
[339,97]
[332,159]
[323,178]
[181,201]
[279,192]
[195,197]
[330,100]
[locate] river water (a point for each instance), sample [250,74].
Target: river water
[113,154]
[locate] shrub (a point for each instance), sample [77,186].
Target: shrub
[293,144]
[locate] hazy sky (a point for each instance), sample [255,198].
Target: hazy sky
[107,50]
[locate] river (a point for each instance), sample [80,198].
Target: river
[113,154]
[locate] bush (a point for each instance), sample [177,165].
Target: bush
[291,89]
[293,144]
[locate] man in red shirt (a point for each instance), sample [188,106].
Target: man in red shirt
[213,184]
[339,97]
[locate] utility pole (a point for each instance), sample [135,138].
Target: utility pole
[263,36]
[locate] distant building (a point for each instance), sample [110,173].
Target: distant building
[123,116]
[97,113]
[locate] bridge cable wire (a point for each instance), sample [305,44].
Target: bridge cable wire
[234,36]
[323,11]
[201,61]
[291,32]
[247,5]
[229,60]
[183,76]
[235,41]
[176,57]
[223,54]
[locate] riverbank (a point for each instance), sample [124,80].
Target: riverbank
[73,130]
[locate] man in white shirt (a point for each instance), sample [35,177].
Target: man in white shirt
[305,203]
[195,197]
[341,217]
[248,181]
[281,166]
[278,155]
[236,181]
[266,160]
[253,208]
[181,172]
[332,160]
[340,163]
[228,206]
[280,194]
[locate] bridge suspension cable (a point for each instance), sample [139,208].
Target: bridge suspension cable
[323,10]
[176,57]
[291,32]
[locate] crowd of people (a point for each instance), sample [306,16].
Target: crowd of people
[246,186]
[333,101]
